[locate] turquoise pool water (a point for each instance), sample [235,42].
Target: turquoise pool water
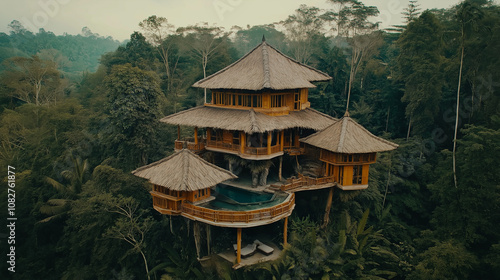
[237,199]
[242,196]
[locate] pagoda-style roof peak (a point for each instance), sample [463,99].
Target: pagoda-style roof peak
[349,137]
[264,67]
[183,171]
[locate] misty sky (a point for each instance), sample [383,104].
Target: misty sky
[119,18]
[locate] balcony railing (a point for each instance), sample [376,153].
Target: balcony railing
[302,181]
[260,151]
[190,144]
[223,145]
[260,215]
[166,204]
[347,159]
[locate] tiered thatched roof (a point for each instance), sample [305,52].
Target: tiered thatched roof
[248,121]
[264,67]
[183,171]
[347,136]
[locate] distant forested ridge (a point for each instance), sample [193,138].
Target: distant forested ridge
[74,54]
[431,211]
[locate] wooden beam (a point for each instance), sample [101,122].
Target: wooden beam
[238,246]
[296,143]
[209,239]
[280,168]
[326,218]
[196,135]
[243,142]
[285,232]
[282,139]
[269,142]
[178,132]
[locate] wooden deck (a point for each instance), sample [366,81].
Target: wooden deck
[240,219]
[306,183]
[296,184]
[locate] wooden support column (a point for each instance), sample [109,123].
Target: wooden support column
[296,143]
[238,246]
[269,142]
[326,218]
[178,132]
[282,139]
[280,168]
[243,142]
[285,232]
[209,239]
[196,234]
[196,135]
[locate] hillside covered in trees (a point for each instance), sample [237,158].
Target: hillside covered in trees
[79,113]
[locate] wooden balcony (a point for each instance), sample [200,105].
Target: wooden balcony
[240,219]
[347,159]
[190,144]
[223,145]
[167,204]
[305,183]
[258,153]
[295,150]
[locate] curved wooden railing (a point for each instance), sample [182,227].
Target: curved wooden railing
[302,181]
[223,216]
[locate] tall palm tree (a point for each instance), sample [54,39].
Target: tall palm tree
[58,207]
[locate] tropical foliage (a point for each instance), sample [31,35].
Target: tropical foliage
[74,129]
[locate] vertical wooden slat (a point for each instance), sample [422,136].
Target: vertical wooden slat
[269,142]
[285,232]
[365,170]
[242,142]
[196,135]
[238,245]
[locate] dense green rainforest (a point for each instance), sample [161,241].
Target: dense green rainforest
[78,113]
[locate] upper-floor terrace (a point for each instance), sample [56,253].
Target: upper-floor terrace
[247,133]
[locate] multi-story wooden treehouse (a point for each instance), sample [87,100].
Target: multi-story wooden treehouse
[259,111]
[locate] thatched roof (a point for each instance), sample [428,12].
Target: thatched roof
[183,171]
[264,67]
[248,121]
[347,136]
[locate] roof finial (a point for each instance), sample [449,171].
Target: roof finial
[346,113]
[263,38]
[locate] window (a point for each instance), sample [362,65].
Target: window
[357,175]
[297,100]
[235,99]
[236,137]
[216,135]
[277,100]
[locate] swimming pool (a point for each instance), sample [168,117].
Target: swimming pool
[237,199]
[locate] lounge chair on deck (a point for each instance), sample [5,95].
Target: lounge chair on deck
[263,248]
[246,251]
